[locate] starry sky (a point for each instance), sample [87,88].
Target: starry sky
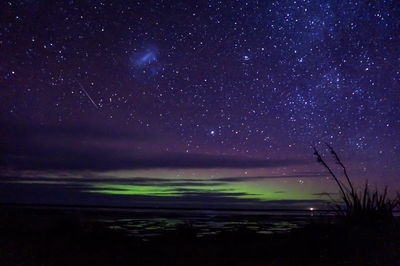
[211,104]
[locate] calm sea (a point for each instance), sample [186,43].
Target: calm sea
[145,223]
[149,222]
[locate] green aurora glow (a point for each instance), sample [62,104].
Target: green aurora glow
[249,190]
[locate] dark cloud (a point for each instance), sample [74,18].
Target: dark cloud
[37,132]
[182,193]
[58,152]
[112,180]
[74,194]
[32,147]
[143,181]
[31,157]
[104,161]
[325,194]
[57,193]
[253,178]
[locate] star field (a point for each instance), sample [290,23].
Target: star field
[254,79]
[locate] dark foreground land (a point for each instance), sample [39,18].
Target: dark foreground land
[67,239]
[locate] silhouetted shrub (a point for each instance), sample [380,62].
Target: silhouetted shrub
[365,205]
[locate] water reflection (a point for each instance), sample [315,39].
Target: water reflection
[206,224]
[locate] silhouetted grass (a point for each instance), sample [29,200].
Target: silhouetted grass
[366,206]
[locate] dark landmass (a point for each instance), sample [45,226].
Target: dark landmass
[69,238]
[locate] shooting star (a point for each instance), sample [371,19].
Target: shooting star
[87,94]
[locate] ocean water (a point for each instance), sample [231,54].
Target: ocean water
[147,223]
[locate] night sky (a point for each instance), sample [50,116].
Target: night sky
[178,104]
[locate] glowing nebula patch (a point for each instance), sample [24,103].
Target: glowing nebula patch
[144,64]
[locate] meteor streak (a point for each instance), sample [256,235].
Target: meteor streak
[87,94]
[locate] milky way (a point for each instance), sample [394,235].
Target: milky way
[241,81]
